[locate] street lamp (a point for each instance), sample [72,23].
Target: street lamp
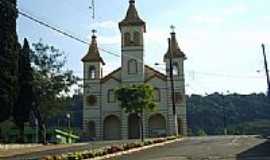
[36,125]
[68,119]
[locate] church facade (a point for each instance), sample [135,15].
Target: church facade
[103,118]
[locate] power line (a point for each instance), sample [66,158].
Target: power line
[60,31]
[56,29]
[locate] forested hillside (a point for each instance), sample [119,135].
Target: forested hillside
[242,114]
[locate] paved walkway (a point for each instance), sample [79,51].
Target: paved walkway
[208,148]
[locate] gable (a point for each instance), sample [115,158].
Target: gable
[116,75]
[151,73]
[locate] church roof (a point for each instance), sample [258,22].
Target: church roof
[150,73]
[93,52]
[132,17]
[173,45]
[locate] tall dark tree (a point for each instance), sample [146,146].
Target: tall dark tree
[52,81]
[9,48]
[25,99]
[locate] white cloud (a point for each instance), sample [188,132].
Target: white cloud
[220,17]
[106,25]
[110,40]
[156,36]
[107,40]
[236,9]
[207,19]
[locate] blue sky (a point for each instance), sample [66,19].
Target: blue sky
[221,38]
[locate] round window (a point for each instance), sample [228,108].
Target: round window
[91,100]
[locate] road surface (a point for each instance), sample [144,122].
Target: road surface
[208,148]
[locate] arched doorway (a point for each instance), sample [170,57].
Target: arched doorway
[133,126]
[180,127]
[157,126]
[112,128]
[92,129]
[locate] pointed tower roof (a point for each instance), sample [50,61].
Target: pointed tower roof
[173,45]
[132,17]
[93,52]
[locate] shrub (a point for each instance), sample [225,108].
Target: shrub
[171,138]
[114,149]
[58,157]
[87,154]
[132,145]
[160,140]
[101,152]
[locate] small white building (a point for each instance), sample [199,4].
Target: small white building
[102,115]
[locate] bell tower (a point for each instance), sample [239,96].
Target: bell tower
[174,60]
[92,68]
[132,30]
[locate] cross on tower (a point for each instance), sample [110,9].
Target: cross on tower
[94,32]
[132,1]
[172,28]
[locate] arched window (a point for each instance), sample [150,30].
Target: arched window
[127,39]
[111,96]
[178,98]
[175,69]
[132,66]
[92,72]
[136,37]
[157,95]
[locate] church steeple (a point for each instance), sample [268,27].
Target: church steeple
[174,47]
[132,29]
[132,17]
[93,52]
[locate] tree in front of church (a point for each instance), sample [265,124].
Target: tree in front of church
[9,48]
[24,104]
[52,82]
[137,99]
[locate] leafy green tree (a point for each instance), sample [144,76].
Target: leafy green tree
[25,98]
[52,82]
[240,114]
[136,99]
[9,48]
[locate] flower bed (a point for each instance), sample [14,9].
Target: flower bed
[107,150]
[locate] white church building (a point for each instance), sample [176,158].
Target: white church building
[103,118]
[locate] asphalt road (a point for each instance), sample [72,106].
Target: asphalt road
[208,148]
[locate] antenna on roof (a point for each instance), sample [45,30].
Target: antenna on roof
[93,8]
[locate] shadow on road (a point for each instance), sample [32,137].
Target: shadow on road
[260,152]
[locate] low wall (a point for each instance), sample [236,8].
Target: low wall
[18,146]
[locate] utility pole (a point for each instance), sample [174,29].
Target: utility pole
[172,85]
[266,70]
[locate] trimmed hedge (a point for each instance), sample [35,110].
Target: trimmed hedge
[107,150]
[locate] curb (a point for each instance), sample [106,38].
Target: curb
[134,150]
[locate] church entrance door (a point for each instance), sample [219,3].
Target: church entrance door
[112,128]
[133,126]
[157,126]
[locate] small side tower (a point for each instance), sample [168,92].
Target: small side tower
[92,66]
[132,29]
[177,58]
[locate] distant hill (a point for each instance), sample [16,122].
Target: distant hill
[244,114]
